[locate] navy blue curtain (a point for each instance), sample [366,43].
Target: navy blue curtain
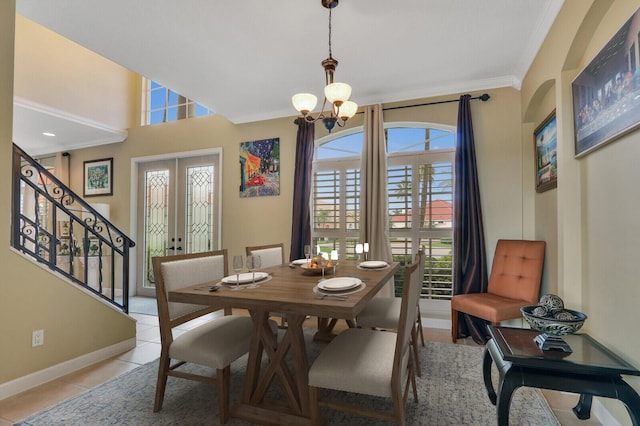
[469,255]
[301,221]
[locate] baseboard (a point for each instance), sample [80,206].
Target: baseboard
[32,380]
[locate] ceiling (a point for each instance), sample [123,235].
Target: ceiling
[245,59]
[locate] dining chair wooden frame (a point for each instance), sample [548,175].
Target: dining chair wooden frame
[215,343]
[335,367]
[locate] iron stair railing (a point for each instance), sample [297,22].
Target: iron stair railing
[59,229]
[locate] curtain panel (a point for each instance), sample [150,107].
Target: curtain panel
[469,254]
[373,190]
[301,221]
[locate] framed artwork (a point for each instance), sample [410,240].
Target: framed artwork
[98,177]
[606,94]
[64,228]
[544,138]
[64,249]
[260,168]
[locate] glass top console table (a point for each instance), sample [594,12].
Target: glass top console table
[590,370]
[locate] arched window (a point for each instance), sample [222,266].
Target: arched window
[420,189]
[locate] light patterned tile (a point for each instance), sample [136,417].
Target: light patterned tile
[143,353]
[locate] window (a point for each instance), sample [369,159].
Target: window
[162,105]
[336,194]
[420,184]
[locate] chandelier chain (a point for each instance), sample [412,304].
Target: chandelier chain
[330,54]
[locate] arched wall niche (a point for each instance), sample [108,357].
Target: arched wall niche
[539,96]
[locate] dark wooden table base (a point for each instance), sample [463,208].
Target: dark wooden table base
[585,383]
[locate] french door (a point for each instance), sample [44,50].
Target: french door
[178,211]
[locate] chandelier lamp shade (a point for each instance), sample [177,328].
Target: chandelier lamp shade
[335,94]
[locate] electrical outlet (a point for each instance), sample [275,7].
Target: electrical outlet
[37,338]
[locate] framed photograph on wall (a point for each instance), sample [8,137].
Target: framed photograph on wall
[544,138]
[606,94]
[98,177]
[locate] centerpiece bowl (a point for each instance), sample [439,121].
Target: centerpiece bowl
[552,326]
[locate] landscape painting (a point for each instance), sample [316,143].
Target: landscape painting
[260,168]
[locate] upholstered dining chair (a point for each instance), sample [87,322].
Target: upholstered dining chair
[216,343]
[270,255]
[370,362]
[384,313]
[514,282]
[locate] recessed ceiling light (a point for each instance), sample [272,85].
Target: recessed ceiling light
[48,134]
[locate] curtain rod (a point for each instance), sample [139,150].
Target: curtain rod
[484,97]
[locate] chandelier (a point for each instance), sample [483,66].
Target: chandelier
[336,94]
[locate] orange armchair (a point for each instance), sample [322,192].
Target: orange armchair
[515,281]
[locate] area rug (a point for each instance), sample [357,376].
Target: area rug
[451,392]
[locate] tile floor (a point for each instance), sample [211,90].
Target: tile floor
[20,406]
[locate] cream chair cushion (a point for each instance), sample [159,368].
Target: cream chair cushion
[214,344]
[381,312]
[187,272]
[365,354]
[269,256]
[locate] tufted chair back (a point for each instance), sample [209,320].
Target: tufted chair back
[515,281]
[517,270]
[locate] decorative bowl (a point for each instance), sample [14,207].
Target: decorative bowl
[317,270]
[553,326]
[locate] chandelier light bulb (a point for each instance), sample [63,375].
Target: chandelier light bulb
[337,93]
[304,102]
[347,110]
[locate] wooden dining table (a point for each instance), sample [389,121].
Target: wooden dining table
[290,290]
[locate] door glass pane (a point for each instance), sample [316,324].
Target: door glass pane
[199,209]
[156,220]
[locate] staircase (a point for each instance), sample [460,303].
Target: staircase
[59,229]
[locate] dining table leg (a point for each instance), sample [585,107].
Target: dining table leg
[255,405]
[325,329]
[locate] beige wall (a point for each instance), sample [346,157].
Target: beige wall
[56,73]
[30,297]
[594,210]
[262,220]
[7,10]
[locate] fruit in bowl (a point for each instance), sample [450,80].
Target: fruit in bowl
[317,264]
[551,318]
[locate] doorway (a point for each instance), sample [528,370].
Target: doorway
[177,210]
